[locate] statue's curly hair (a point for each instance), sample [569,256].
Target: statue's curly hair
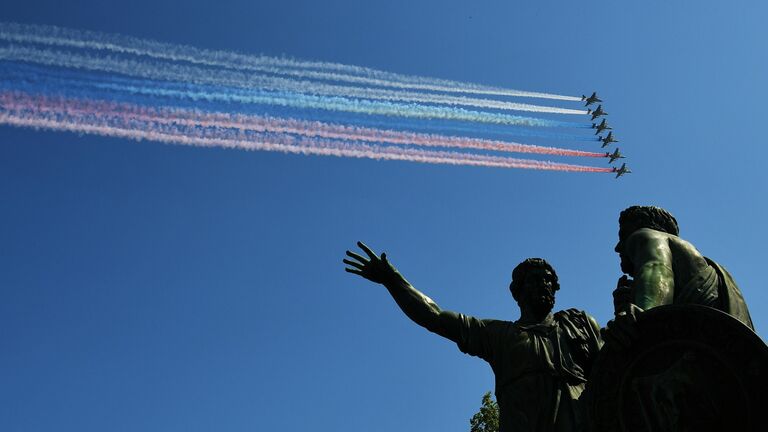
[522,269]
[649,217]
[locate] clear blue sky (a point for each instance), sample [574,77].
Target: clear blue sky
[147,287]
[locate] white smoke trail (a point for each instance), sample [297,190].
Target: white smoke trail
[357,106]
[199,75]
[49,35]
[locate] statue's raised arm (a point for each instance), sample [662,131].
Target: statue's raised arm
[418,307]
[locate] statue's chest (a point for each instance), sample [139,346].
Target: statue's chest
[525,351]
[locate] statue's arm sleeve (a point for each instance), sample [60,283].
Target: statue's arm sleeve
[469,333]
[473,336]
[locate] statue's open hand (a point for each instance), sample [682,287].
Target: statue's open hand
[376,269]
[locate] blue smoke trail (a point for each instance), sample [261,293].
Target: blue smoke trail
[208,93]
[152,70]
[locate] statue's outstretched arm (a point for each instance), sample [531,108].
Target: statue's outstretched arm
[418,307]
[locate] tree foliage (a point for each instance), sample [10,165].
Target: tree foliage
[487,419]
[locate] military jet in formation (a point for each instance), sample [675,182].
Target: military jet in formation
[615,155]
[597,112]
[591,99]
[601,127]
[607,140]
[621,171]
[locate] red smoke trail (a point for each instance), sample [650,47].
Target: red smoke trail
[284,144]
[188,117]
[29,115]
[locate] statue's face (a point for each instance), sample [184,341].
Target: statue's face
[539,290]
[626,264]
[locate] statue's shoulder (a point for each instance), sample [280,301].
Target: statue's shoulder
[581,331]
[500,325]
[646,235]
[577,323]
[573,315]
[648,232]
[511,328]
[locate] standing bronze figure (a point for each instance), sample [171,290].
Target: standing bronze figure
[540,362]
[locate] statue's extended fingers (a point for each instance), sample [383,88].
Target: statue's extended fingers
[367,250]
[353,264]
[355,271]
[357,257]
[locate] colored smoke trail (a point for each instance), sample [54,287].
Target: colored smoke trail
[72,107]
[282,143]
[294,100]
[89,85]
[471,129]
[55,36]
[241,80]
[109,85]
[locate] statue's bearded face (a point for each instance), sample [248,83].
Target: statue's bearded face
[626,264]
[539,290]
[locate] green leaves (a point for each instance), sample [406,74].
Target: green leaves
[487,419]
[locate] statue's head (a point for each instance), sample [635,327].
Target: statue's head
[637,217]
[533,286]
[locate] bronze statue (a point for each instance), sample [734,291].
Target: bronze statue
[666,270]
[540,361]
[681,353]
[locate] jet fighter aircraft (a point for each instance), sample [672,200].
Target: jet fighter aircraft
[597,112]
[601,127]
[607,140]
[590,100]
[621,171]
[615,155]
